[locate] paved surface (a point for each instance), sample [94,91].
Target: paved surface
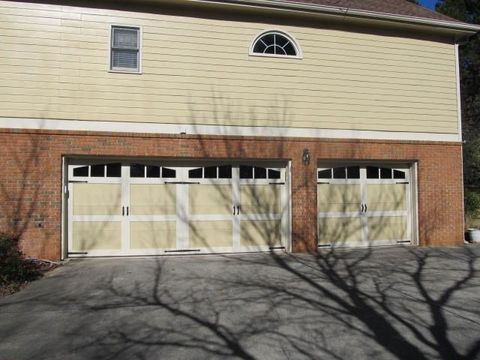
[388,303]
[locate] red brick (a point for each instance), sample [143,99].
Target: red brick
[31,180]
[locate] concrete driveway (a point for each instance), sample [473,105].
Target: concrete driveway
[386,303]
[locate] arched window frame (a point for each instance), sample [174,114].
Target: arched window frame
[280,32]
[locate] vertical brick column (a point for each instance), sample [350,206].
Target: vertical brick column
[440,197]
[304,205]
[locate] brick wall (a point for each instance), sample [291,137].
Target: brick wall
[30,180]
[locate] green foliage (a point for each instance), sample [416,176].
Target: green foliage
[471,158]
[472,204]
[468,11]
[464,10]
[13,266]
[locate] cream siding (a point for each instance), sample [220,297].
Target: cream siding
[54,64]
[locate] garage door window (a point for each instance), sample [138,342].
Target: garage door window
[349,172]
[374,172]
[114,170]
[151,171]
[168,173]
[99,171]
[257,172]
[211,172]
[81,171]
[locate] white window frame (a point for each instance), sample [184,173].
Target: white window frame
[280,32]
[110,68]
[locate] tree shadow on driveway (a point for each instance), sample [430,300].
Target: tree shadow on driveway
[387,303]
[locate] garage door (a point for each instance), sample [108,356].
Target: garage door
[141,208]
[364,205]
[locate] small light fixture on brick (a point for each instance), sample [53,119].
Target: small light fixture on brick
[306,156]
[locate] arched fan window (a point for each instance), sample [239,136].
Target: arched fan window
[275,43]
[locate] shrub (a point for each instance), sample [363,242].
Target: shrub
[472,204]
[13,266]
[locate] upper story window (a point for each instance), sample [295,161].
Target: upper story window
[275,43]
[125,49]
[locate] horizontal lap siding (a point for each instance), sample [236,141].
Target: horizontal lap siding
[54,63]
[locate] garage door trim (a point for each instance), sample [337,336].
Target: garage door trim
[410,213]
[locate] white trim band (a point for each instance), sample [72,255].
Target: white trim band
[459,92]
[142,127]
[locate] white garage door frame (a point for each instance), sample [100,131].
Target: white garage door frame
[182,184]
[362,212]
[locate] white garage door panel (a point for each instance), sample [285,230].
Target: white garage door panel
[97,199]
[149,199]
[387,197]
[261,233]
[261,199]
[338,198]
[261,214]
[210,214]
[387,228]
[127,208]
[344,231]
[96,235]
[96,221]
[211,234]
[153,235]
[212,199]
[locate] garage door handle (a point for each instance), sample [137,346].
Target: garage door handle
[123,210]
[233,209]
[238,210]
[361,210]
[366,208]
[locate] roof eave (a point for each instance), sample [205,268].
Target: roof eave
[279,4]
